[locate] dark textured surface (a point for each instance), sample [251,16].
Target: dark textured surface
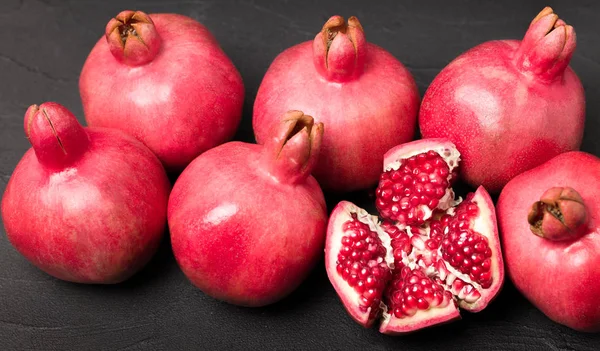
[43,45]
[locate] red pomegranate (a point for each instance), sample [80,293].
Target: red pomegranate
[366,98]
[86,205]
[164,79]
[415,274]
[248,221]
[549,219]
[509,105]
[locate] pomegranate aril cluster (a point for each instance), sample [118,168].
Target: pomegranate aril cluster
[411,291]
[465,249]
[420,181]
[361,263]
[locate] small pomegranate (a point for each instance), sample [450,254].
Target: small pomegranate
[86,205]
[417,271]
[504,91]
[365,97]
[553,211]
[248,221]
[164,79]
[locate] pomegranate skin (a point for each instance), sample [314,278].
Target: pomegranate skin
[366,109]
[561,278]
[180,99]
[509,105]
[242,231]
[97,217]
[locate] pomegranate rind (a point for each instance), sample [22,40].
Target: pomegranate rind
[486,224]
[444,147]
[350,297]
[391,325]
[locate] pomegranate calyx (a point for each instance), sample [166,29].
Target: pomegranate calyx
[547,47]
[560,215]
[132,38]
[339,49]
[55,134]
[293,150]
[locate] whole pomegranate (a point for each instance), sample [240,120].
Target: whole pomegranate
[366,98]
[421,263]
[248,221]
[164,79]
[509,105]
[553,211]
[86,205]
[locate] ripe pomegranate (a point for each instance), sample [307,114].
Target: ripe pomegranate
[164,79]
[365,97]
[248,221]
[509,105]
[86,205]
[415,276]
[553,211]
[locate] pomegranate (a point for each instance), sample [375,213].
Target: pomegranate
[365,97]
[504,91]
[416,274]
[553,211]
[164,79]
[86,205]
[248,221]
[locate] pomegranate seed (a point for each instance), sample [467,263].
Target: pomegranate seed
[424,175]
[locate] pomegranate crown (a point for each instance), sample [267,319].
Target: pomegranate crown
[293,149]
[339,49]
[55,134]
[547,47]
[132,38]
[559,215]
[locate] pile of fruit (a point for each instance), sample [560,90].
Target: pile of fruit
[248,222]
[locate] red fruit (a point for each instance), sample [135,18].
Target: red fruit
[164,79]
[549,219]
[416,180]
[366,98]
[248,221]
[86,205]
[509,105]
[415,277]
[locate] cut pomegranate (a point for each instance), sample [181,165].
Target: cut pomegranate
[416,273]
[416,180]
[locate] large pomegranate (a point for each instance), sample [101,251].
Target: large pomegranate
[248,221]
[509,105]
[164,79]
[417,271]
[86,205]
[553,211]
[366,98]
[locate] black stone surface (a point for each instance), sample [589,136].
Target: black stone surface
[43,44]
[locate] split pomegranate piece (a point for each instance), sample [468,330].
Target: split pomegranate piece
[408,276]
[416,180]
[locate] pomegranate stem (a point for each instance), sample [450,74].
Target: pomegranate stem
[133,38]
[55,134]
[560,215]
[339,49]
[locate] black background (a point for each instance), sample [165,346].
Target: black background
[43,45]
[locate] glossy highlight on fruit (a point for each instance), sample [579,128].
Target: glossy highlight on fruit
[248,221]
[366,98]
[504,91]
[553,211]
[164,79]
[85,205]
